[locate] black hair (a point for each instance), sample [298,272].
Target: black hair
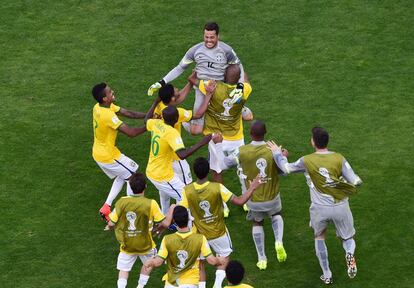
[180,216]
[201,167]
[212,26]
[258,129]
[98,92]
[320,137]
[138,182]
[170,115]
[234,272]
[165,93]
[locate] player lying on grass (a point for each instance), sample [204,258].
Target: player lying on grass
[166,142]
[169,95]
[211,58]
[105,130]
[331,181]
[133,218]
[205,200]
[180,251]
[251,159]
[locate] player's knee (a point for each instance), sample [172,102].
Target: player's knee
[196,129]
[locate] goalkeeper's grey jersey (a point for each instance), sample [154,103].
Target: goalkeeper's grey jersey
[316,197]
[209,63]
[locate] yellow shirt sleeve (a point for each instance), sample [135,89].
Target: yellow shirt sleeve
[184,115]
[247,90]
[163,253]
[174,140]
[113,216]
[202,86]
[184,201]
[114,108]
[205,248]
[225,193]
[112,120]
[156,213]
[150,124]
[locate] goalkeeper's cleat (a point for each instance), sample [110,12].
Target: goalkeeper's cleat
[245,208]
[326,280]
[154,88]
[280,252]
[105,211]
[226,212]
[247,114]
[351,263]
[262,264]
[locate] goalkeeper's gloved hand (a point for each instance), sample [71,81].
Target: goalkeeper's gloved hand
[155,87]
[237,93]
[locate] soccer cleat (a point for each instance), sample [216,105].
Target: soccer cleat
[245,208]
[326,281]
[262,264]
[226,212]
[105,211]
[280,252]
[351,263]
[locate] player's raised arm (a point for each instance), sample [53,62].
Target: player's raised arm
[349,174]
[150,113]
[209,89]
[131,114]
[279,155]
[131,131]
[184,153]
[242,199]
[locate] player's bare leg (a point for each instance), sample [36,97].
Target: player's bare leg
[259,243]
[122,279]
[203,276]
[322,254]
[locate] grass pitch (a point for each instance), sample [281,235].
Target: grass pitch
[345,65]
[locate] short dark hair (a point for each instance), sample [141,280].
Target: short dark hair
[212,26]
[320,137]
[170,115]
[98,92]
[166,93]
[180,216]
[138,182]
[258,129]
[234,272]
[201,167]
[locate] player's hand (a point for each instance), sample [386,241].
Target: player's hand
[256,182]
[236,94]
[217,138]
[221,260]
[274,147]
[285,152]
[206,139]
[193,78]
[210,88]
[154,88]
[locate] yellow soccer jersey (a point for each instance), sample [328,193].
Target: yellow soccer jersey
[105,125]
[247,90]
[239,286]
[183,115]
[165,141]
[191,276]
[155,215]
[225,193]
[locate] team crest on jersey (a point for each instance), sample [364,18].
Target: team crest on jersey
[205,205]
[131,217]
[115,120]
[328,180]
[182,256]
[220,57]
[261,164]
[227,105]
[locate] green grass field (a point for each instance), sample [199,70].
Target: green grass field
[345,65]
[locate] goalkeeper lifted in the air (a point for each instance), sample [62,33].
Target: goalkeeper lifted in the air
[211,59]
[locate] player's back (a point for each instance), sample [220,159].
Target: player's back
[212,63]
[183,115]
[105,125]
[165,140]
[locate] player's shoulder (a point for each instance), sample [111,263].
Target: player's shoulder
[225,47]
[196,47]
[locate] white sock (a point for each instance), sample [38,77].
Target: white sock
[143,280]
[220,275]
[259,242]
[186,126]
[115,189]
[129,189]
[349,245]
[277,226]
[322,254]
[202,284]
[122,282]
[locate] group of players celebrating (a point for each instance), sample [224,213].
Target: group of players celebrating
[221,91]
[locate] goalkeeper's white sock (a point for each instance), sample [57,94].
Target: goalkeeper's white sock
[122,282]
[143,280]
[322,254]
[220,275]
[129,189]
[259,242]
[202,284]
[115,189]
[277,226]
